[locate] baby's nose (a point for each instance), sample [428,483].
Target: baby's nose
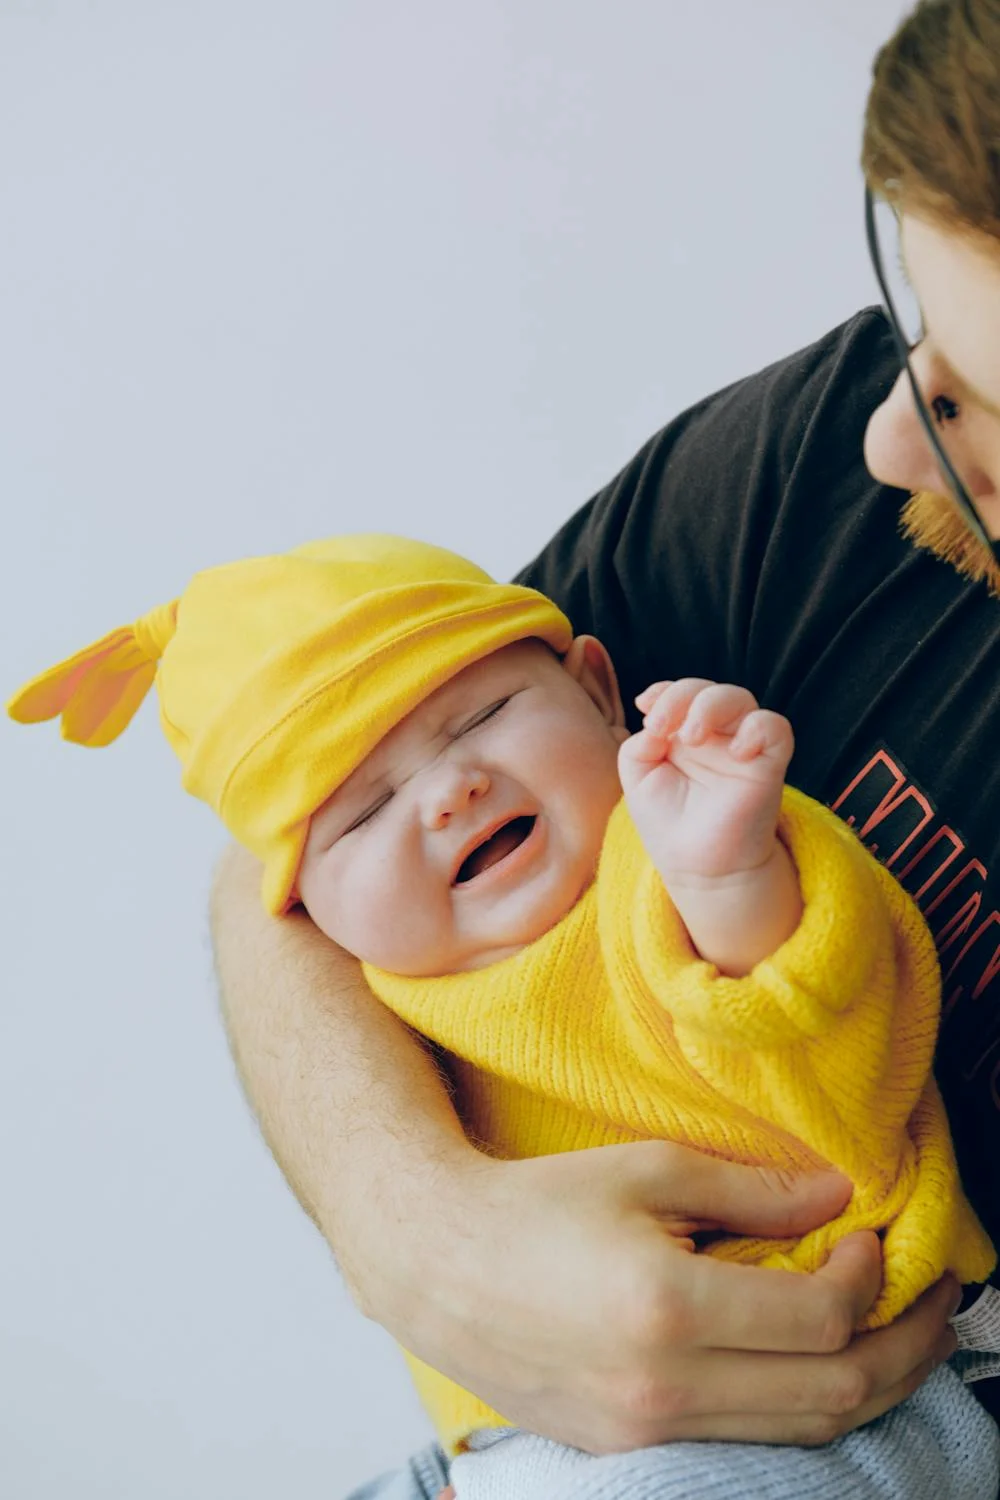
[449,790]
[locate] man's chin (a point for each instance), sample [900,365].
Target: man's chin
[934,523]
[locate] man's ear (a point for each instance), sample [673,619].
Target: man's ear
[589,664]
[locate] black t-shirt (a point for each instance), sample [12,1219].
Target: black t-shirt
[747,543]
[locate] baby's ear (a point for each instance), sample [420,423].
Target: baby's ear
[589,664]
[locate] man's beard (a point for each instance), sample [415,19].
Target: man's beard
[935,523]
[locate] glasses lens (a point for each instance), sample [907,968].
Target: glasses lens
[938,407]
[904,302]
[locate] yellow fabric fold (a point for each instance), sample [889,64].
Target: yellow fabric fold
[576,1042]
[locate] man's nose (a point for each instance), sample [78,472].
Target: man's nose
[448,789]
[897,449]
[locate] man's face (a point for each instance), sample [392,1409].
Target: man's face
[957,283]
[476,823]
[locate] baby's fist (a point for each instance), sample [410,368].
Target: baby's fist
[693,711]
[703,777]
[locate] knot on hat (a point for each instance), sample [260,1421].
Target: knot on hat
[97,692]
[155,630]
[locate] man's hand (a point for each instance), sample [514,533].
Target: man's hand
[562,1289]
[565,1292]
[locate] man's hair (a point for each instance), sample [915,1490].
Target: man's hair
[932,124]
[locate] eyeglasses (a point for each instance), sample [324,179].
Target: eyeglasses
[906,322]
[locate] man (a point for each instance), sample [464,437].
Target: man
[749,542]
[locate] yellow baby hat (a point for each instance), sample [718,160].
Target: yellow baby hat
[278,675]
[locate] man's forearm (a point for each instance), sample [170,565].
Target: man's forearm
[349,1101]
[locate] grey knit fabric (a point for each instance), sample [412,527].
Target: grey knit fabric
[938,1445]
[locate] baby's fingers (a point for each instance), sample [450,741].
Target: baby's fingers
[763,733]
[719,708]
[645,700]
[666,705]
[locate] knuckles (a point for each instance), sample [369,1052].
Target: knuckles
[641,1411]
[647,1404]
[651,1318]
[664,1321]
[849,1389]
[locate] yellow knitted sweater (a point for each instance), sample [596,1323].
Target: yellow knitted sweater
[609,1028]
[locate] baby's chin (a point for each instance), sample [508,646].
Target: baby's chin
[422,966]
[535,926]
[547,901]
[472,959]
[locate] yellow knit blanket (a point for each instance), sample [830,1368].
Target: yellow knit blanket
[609,1028]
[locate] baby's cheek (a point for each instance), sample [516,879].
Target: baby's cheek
[343,910]
[396,918]
[418,914]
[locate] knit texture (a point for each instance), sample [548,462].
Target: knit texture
[609,1028]
[938,1445]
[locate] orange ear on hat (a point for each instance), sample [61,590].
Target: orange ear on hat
[98,690]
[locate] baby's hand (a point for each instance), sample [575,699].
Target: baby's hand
[703,778]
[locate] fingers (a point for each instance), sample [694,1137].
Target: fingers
[645,700]
[914,1345]
[807,1429]
[771,1397]
[813,1398]
[692,709]
[718,709]
[855,1269]
[763,733]
[675,1181]
[749,1307]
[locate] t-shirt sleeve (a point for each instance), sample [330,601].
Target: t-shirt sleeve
[666,564]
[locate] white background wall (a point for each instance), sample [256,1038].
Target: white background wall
[268,271]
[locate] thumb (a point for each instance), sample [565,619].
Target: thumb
[694,1191]
[855,1265]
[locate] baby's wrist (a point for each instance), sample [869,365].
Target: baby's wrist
[736,919]
[730,881]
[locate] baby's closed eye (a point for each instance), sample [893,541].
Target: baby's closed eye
[371,811]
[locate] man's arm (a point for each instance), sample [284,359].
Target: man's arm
[560,1289]
[350,1103]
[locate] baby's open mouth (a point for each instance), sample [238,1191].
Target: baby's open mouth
[503,841]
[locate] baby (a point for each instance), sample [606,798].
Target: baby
[434,766]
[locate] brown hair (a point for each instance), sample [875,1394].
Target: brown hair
[932,124]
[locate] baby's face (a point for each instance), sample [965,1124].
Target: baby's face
[475,824]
